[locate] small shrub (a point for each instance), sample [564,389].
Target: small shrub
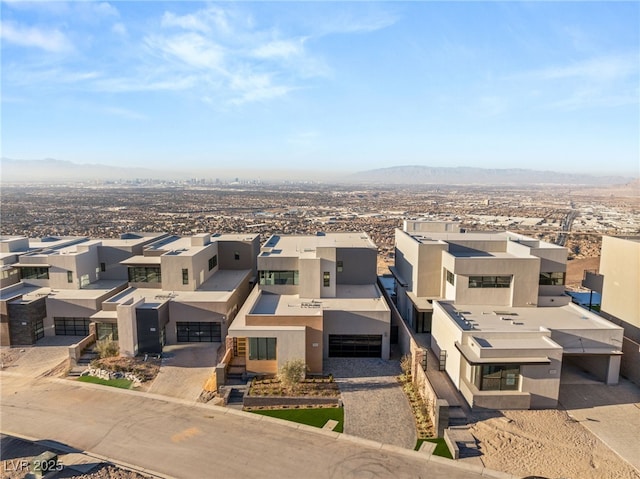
[107,348]
[291,373]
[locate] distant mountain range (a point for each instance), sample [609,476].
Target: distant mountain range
[50,170]
[411,175]
[59,171]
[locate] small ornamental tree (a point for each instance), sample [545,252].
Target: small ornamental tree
[291,373]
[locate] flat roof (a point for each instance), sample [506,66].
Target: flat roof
[30,292]
[141,260]
[471,236]
[218,288]
[512,319]
[365,297]
[299,245]
[233,237]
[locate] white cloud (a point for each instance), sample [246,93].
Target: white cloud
[280,49]
[594,69]
[125,113]
[119,29]
[49,40]
[189,48]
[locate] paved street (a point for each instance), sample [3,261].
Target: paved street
[186,440]
[375,407]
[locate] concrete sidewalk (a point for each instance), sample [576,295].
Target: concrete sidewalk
[375,407]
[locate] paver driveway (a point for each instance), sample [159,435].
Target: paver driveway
[375,407]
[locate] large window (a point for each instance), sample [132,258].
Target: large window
[35,272]
[279,277]
[489,281]
[552,279]
[262,348]
[497,377]
[213,262]
[107,331]
[145,274]
[450,277]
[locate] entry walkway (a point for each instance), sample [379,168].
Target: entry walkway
[612,413]
[184,370]
[375,407]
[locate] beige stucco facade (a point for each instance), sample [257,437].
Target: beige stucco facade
[314,292]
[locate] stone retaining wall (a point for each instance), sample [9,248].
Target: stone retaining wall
[256,401]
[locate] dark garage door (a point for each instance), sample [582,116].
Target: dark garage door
[355,346]
[198,332]
[71,326]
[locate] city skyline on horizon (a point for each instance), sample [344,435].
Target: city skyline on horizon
[323,86]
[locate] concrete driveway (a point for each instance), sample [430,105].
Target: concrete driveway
[375,407]
[36,360]
[184,370]
[612,413]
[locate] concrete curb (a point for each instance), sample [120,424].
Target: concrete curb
[282,422]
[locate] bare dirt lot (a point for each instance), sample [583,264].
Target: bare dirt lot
[547,443]
[576,268]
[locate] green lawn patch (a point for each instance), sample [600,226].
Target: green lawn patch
[317,417]
[116,383]
[441,447]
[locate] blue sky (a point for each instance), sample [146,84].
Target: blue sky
[319,85]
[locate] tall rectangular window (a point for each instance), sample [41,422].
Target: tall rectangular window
[213,262]
[185,276]
[103,267]
[236,255]
[69,276]
[262,348]
[450,277]
[339,266]
[326,279]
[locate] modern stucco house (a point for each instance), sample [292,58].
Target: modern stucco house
[618,281]
[54,284]
[181,289]
[316,298]
[498,319]
[143,289]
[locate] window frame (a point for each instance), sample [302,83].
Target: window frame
[262,349]
[451,278]
[326,279]
[490,281]
[497,377]
[213,262]
[69,276]
[552,278]
[185,275]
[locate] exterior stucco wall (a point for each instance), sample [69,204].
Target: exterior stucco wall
[357,322]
